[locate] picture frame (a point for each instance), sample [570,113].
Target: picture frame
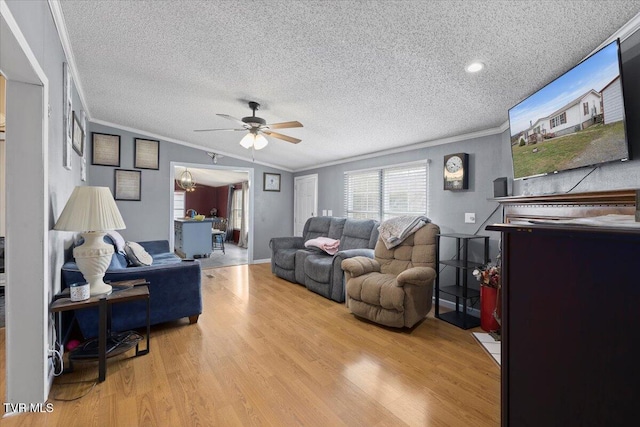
[127,184]
[146,154]
[78,136]
[105,149]
[67,124]
[271,181]
[85,142]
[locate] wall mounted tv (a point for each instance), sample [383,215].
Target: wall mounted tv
[577,120]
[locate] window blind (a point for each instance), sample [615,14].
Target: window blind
[404,191]
[387,192]
[178,204]
[236,210]
[362,194]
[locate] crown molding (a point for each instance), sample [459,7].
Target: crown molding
[622,33]
[186,144]
[61,27]
[433,143]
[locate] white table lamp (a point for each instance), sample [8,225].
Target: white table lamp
[92,211]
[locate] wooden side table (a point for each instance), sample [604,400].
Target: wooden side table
[128,290]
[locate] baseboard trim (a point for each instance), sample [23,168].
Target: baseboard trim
[262,261]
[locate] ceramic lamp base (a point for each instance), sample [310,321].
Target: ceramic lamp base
[93,258]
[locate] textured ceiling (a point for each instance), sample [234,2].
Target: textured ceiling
[362,76]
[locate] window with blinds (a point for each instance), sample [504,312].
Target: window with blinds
[178,204]
[236,209]
[362,194]
[388,192]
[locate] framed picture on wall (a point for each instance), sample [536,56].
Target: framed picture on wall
[67,124]
[271,182]
[105,149]
[147,154]
[78,136]
[127,184]
[85,141]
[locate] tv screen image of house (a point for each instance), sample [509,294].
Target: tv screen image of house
[577,120]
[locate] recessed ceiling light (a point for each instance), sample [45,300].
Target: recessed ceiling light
[474,67]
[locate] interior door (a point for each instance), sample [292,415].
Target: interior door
[305,201]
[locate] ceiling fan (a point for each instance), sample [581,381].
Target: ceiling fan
[258,126]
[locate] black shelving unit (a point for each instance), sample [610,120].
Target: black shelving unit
[460,289]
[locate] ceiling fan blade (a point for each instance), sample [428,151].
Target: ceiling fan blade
[228,117]
[285,125]
[281,136]
[209,130]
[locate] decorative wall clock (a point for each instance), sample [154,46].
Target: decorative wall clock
[456,174]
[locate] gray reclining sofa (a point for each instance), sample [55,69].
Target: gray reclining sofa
[314,268]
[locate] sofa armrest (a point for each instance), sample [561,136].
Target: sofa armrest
[155,246]
[357,266]
[350,253]
[419,276]
[277,243]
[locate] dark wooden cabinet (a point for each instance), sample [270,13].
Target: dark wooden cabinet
[569,323]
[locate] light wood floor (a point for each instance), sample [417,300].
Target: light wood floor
[269,352]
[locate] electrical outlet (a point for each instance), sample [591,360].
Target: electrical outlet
[330,212]
[470,218]
[324,212]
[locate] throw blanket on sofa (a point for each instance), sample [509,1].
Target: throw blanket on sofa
[393,231]
[328,245]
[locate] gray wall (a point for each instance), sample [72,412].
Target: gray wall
[36,23]
[149,219]
[37,26]
[489,158]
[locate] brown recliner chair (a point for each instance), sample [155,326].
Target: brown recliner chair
[396,288]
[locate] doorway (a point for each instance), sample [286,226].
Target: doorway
[2,198]
[305,201]
[224,195]
[27,238]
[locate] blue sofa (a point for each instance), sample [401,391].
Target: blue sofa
[174,290]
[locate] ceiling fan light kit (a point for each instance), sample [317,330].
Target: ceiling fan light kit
[257,128]
[254,140]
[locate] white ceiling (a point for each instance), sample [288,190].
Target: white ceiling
[361,76]
[213,177]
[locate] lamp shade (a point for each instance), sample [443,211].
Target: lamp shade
[90,209]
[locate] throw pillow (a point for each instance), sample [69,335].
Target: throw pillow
[137,255]
[118,240]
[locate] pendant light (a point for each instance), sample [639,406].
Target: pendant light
[186,181]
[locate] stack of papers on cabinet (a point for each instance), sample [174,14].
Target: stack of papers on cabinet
[612,220]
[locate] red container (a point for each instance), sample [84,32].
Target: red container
[488,301]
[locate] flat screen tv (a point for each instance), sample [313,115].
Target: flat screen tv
[577,120]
